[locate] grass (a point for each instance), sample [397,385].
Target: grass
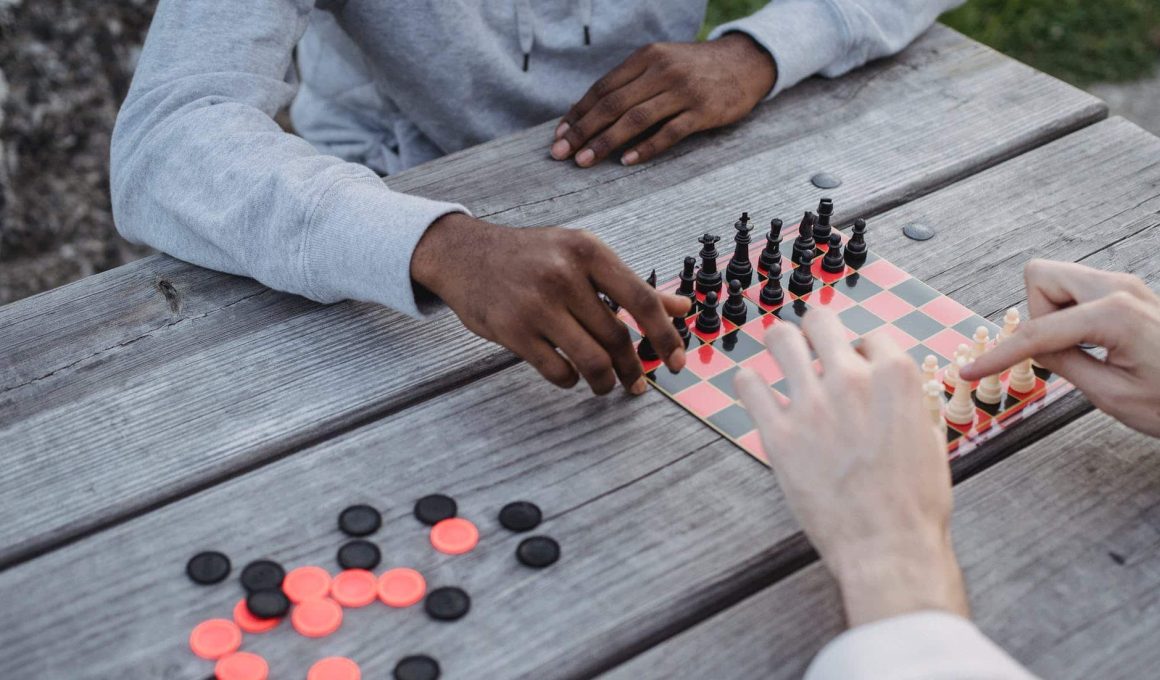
[1080,41]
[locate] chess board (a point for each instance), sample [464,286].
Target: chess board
[875,297]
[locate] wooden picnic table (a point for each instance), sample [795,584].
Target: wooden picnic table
[159,409]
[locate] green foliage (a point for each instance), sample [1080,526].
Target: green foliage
[1081,41]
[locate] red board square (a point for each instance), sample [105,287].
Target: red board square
[758,327]
[830,298]
[946,311]
[706,362]
[703,399]
[765,366]
[888,306]
[883,273]
[752,443]
[900,338]
[946,341]
[823,275]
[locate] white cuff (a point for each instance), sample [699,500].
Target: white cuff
[929,645]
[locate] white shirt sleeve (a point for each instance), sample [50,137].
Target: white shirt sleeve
[930,645]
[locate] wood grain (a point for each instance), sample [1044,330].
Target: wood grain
[662,523]
[145,396]
[1060,547]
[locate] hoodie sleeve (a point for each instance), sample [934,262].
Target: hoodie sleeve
[832,37]
[200,170]
[927,645]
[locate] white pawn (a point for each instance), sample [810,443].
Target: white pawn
[933,400]
[990,390]
[1010,325]
[951,375]
[929,368]
[982,339]
[1022,377]
[960,409]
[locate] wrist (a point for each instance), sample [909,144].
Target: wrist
[753,61]
[443,249]
[899,577]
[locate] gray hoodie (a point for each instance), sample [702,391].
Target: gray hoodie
[201,171]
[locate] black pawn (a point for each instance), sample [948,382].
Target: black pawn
[802,280]
[645,350]
[682,330]
[708,321]
[772,293]
[822,226]
[804,243]
[739,268]
[856,246]
[688,279]
[734,308]
[708,278]
[771,255]
[833,262]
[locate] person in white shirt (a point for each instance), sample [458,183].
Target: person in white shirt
[880,517]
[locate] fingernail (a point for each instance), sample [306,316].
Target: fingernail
[638,388]
[562,128]
[629,158]
[585,157]
[561,149]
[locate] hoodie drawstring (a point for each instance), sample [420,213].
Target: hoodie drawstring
[526,26]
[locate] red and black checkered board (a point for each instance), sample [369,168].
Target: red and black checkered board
[876,297]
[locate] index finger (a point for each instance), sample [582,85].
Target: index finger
[1054,332]
[645,304]
[615,79]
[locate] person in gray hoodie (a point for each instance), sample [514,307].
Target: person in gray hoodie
[200,170]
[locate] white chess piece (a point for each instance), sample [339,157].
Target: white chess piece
[960,409]
[951,375]
[929,368]
[933,401]
[982,339]
[1010,325]
[1022,377]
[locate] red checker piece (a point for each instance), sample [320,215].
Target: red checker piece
[241,666]
[306,583]
[215,638]
[316,618]
[250,623]
[334,668]
[454,536]
[402,587]
[354,588]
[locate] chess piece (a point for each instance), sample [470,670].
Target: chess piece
[708,321]
[708,278]
[833,262]
[688,279]
[734,309]
[822,225]
[803,245]
[951,375]
[645,349]
[1021,379]
[856,251]
[682,330]
[802,279]
[990,390]
[929,368]
[771,254]
[1010,325]
[772,293]
[960,410]
[932,400]
[982,339]
[739,268]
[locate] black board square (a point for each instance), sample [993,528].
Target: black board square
[860,320]
[724,382]
[918,325]
[915,292]
[857,288]
[733,421]
[673,382]
[738,346]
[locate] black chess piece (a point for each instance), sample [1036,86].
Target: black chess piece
[771,254]
[802,279]
[734,309]
[856,247]
[688,280]
[708,278]
[652,279]
[739,268]
[646,351]
[682,330]
[708,321]
[822,226]
[833,262]
[772,293]
[804,243]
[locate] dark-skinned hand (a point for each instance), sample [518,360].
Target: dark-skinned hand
[534,291]
[688,87]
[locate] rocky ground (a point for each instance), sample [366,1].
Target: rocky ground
[65,66]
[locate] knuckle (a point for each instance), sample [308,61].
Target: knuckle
[582,244]
[577,133]
[602,87]
[637,117]
[601,146]
[610,105]
[1122,302]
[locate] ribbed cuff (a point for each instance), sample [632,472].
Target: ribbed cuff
[359,244]
[803,36]
[928,645]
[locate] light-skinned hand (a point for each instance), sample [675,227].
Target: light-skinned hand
[688,87]
[534,291]
[1072,304]
[871,487]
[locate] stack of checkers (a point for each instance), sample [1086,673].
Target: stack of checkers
[315,600]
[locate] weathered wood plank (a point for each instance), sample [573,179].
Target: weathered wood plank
[1061,551]
[662,523]
[184,401]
